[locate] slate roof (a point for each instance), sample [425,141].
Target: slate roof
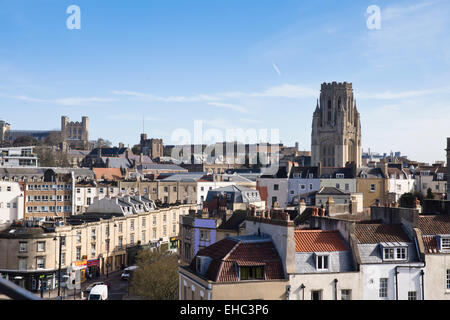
[370,173]
[186,176]
[230,253]
[115,162]
[330,172]
[160,166]
[281,174]
[376,233]
[234,221]
[434,224]
[303,172]
[108,152]
[318,241]
[331,191]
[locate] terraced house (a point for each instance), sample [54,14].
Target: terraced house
[100,241]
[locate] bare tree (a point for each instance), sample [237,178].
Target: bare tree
[157,276]
[102,143]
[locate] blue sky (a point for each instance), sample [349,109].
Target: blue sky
[231,64]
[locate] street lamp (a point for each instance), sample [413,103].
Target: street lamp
[59,267]
[107,251]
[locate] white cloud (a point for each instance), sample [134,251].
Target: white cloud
[228,105]
[70,101]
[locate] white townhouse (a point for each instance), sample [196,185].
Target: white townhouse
[11,201]
[389,263]
[400,181]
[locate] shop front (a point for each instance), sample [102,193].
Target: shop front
[174,243]
[33,280]
[80,267]
[93,268]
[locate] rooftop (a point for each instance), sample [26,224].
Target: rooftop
[434,224]
[377,233]
[318,241]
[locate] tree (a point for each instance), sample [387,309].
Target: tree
[51,158]
[53,139]
[407,199]
[25,141]
[102,143]
[157,276]
[136,149]
[430,194]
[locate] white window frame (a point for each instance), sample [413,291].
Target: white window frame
[322,258]
[383,289]
[445,247]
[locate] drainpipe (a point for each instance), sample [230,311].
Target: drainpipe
[423,284]
[422,273]
[302,286]
[396,283]
[335,288]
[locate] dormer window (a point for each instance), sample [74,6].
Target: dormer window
[321,262]
[339,175]
[251,273]
[395,253]
[445,243]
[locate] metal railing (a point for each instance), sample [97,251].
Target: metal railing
[15,292]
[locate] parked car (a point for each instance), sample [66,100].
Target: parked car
[128,272]
[99,292]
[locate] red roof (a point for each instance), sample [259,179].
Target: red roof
[318,241]
[230,253]
[434,224]
[112,174]
[375,233]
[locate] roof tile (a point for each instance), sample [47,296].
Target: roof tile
[318,241]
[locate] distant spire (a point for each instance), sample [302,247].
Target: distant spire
[317,106]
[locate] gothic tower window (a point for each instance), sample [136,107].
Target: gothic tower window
[329,110]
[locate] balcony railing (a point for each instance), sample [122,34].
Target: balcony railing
[15,292]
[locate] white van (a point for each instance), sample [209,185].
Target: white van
[99,292]
[128,272]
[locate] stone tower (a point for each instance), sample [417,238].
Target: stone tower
[151,147]
[336,127]
[75,134]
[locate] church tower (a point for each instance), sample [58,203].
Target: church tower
[336,127]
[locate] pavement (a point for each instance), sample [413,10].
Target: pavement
[118,289]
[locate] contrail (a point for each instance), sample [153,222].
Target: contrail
[276,68]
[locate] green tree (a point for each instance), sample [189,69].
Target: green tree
[157,276]
[136,149]
[407,199]
[430,194]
